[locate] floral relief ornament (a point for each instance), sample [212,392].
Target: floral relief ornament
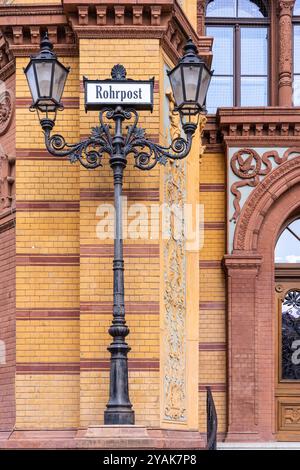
[6,110]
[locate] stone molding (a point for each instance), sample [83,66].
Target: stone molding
[22,25]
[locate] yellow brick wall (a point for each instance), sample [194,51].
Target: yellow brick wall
[141,59]
[212,334]
[47,395]
[51,395]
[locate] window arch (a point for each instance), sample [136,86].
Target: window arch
[240,29]
[288,244]
[237,8]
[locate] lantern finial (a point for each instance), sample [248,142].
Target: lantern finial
[46,44]
[190,47]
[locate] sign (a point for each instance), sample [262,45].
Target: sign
[130,93]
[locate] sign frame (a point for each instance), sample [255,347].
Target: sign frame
[146,106]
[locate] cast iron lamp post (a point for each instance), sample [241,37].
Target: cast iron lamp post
[190,80]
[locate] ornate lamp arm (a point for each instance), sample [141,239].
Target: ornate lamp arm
[147,154]
[88,152]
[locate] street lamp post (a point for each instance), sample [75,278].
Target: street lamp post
[190,80]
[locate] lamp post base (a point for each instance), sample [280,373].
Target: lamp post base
[119,417]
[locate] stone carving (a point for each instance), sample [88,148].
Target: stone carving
[174,407]
[250,167]
[6,110]
[285,52]
[275,179]
[7,181]
[291,415]
[174,116]
[202,124]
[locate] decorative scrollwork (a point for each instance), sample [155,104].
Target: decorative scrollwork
[90,151]
[251,167]
[291,335]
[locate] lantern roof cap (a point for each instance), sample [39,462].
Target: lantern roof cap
[46,51]
[191,54]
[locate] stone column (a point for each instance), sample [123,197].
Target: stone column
[285,52]
[242,271]
[201,6]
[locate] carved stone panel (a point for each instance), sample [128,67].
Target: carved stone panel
[6,110]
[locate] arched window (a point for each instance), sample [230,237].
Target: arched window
[296,85]
[240,49]
[288,245]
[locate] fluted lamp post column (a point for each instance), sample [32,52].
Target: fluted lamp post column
[190,80]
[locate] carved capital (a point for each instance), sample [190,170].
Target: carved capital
[286,7]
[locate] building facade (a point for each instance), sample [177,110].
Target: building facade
[219,311]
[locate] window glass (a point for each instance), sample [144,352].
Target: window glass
[248,9]
[254,91]
[288,246]
[296,84]
[220,92]
[297,8]
[290,336]
[225,8]
[240,53]
[222,49]
[236,8]
[254,51]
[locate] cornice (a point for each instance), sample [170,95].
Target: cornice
[277,126]
[21,26]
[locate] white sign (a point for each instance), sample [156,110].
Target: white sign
[138,94]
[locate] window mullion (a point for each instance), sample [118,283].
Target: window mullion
[237,65]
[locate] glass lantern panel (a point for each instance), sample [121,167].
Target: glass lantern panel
[177,86]
[205,80]
[60,76]
[44,76]
[32,82]
[191,80]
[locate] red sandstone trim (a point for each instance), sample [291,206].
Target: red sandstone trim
[212,346]
[133,308]
[212,187]
[48,206]
[132,194]
[212,305]
[210,264]
[86,365]
[36,154]
[133,364]
[214,225]
[217,387]
[48,368]
[130,251]
[48,314]
[47,260]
